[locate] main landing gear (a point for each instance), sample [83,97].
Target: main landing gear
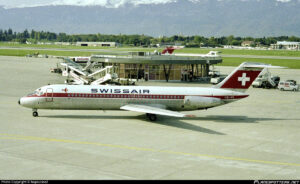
[35,113]
[152,117]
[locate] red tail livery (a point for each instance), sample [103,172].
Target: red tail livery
[242,77]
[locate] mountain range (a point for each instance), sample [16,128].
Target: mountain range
[256,18]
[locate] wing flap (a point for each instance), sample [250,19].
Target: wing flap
[151,110]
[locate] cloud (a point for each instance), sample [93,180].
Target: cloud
[105,3]
[284,1]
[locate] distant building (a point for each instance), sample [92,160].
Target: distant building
[97,44]
[44,43]
[286,45]
[247,43]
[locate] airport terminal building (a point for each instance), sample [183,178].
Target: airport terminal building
[286,45]
[154,66]
[97,44]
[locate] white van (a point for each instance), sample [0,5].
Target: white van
[289,85]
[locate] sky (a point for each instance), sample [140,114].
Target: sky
[106,3]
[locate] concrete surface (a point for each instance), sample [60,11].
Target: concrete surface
[255,138]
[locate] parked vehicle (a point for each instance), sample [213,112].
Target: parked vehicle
[288,85]
[216,80]
[214,73]
[266,80]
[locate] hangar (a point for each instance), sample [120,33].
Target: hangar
[156,66]
[96,44]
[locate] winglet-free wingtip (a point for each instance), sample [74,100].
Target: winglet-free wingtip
[190,116]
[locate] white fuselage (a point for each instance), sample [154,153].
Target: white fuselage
[103,97]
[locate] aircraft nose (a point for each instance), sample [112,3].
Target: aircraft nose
[21,101]
[26,102]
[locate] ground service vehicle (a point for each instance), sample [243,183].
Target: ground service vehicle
[289,85]
[216,80]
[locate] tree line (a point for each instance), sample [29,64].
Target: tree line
[138,40]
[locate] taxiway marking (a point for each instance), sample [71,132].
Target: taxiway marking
[31,138]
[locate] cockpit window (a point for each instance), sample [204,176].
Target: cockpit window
[33,93]
[36,92]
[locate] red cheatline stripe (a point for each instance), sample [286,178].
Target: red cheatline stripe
[140,96]
[229,97]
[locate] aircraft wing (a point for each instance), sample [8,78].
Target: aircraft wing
[152,110]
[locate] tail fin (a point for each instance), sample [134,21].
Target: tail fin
[243,76]
[168,50]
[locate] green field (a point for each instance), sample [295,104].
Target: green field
[16,52]
[292,64]
[227,61]
[287,53]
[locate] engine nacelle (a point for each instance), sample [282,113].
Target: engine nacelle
[202,102]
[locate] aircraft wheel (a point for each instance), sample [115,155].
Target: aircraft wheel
[152,117]
[35,114]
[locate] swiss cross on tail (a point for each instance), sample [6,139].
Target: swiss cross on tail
[242,77]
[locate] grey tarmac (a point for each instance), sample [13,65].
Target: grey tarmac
[254,138]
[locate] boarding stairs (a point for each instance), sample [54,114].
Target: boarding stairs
[102,80]
[103,75]
[81,77]
[268,77]
[77,79]
[271,81]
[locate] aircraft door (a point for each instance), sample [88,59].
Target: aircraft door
[49,95]
[211,93]
[146,76]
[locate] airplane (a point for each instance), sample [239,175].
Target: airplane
[152,100]
[170,50]
[211,53]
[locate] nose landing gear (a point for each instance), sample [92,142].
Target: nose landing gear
[35,113]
